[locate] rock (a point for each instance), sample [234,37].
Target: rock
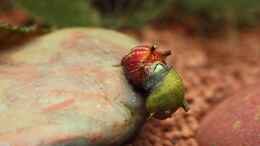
[64,89]
[235,122]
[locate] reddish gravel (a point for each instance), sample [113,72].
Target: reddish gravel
[212,69]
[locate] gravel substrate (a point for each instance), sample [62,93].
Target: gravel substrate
[212,70]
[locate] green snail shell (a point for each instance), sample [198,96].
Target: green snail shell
[168,96]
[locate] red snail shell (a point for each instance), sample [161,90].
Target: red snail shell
[138,64]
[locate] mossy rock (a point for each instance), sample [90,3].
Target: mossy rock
[64,89]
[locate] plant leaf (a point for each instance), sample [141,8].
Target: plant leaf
[62,13]
[13,35]
[16,29]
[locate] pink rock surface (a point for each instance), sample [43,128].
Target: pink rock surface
[63,89]
[235,122]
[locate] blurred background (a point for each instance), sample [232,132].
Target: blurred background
[215,43]
[222,19]
[199,14]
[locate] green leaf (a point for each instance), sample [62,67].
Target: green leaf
[13,35]
[16,29]
[62,13]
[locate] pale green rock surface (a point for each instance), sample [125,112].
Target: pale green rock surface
[64,89]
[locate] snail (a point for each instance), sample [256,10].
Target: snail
[146,69]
